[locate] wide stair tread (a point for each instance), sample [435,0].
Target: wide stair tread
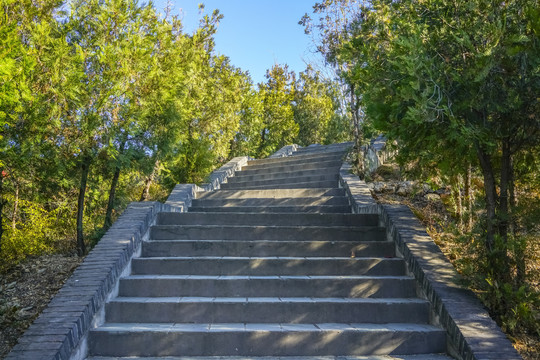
[215,265]
[300,159]
[272,193]
[338,248]
[352,286]
[284,168]
[266,310]
[252,219]
[321,209]
[275,339]
[255,232]
[309,183]
[382,357]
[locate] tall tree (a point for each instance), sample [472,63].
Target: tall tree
[330,28]
[451,78]
[113,40]
[277,95]
[313,107]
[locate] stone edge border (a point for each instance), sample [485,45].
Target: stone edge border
[286,150]
[61,327]
[471,332]
[182,194]
[60,331]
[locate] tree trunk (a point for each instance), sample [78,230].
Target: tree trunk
[506,174]
[148,182]
[112,191]
[519,243]
[85,168]
[491,197]
[263,139]
[497,253]
[2,203]
[15,207]
[469,198]
[459,203]
[110,205]
[357,132]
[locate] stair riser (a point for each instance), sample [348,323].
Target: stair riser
[264,343]
[266,312]
[243,182]
[309,233]
[271,193]
[321,166]
[314,201]
[268,219]
[302,185]
[382,357]
[267,248]
[299,159]
[261,267]
[240,176]
[323,209]
[373,288]
[322,150]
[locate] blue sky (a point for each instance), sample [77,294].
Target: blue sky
[255,34]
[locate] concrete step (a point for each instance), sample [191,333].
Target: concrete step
[311,201]
[286,178]
[317,149]
[194,218]
[266,310]
[323,209]
[330,155]
[237,339]
[242,176]
[279,266]
[349,357]
[317,152]
[300,185]
[271,193]
[245,232]
[267,248]
[352,286]
[279,168]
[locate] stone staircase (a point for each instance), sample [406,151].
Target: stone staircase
[274,265]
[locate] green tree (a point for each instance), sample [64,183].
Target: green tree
[115,39]
[277,95]
[330,28]
[208,96]
[247,139]
[453,80]
[313,108]
[34,90]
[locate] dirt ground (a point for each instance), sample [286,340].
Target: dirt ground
[26,289]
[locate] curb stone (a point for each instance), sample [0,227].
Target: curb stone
[472,334]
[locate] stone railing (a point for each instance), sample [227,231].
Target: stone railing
[471,333]
[287,150]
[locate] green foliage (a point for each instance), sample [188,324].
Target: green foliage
[313,108]
[36,232]
[91,100]
[517,310]
[102,101]
[452,89]
[278,128]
